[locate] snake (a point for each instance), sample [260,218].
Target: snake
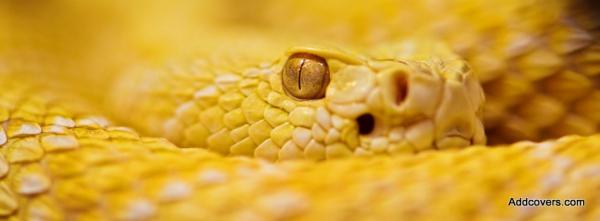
[289,110]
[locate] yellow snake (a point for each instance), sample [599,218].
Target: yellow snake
[299,110]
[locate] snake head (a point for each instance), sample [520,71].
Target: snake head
[385,101]
[310,103]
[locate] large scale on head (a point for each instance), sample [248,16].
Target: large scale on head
[320,103]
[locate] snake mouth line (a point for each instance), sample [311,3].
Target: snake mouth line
[457,135]
[453,140]
[371,128]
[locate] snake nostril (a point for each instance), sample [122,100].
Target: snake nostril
[366,123]
[401,85]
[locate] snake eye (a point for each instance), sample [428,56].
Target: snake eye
[305,76]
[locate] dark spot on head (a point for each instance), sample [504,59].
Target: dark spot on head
[366,124]
[401,86]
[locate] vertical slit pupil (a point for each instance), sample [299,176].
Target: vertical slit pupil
[300,74]
[366,123]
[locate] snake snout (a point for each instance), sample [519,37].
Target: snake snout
[398,93]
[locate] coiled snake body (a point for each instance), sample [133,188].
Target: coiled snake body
[299,111]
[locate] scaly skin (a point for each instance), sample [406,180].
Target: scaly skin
[246,111]
[62,162]
[529,55]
